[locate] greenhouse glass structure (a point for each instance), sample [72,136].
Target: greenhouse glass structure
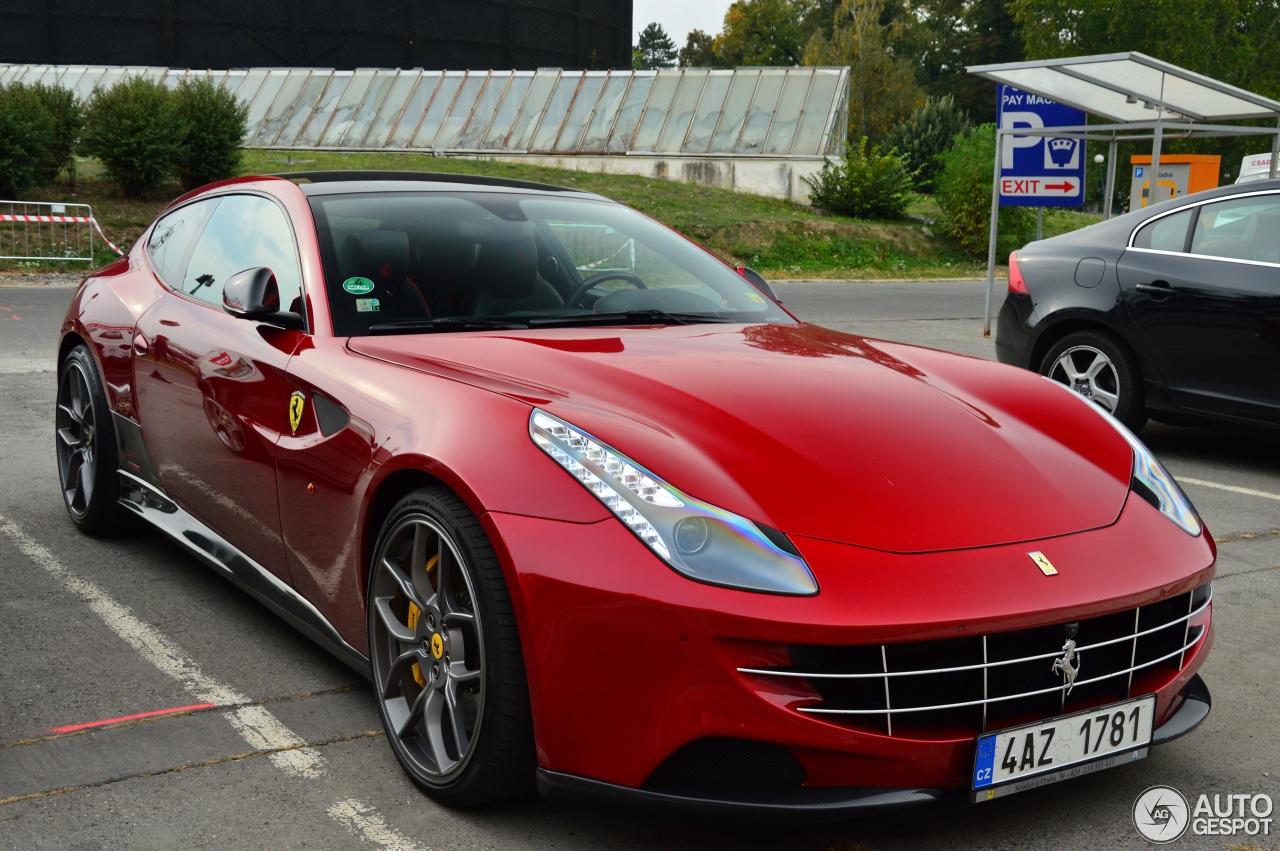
[763,128]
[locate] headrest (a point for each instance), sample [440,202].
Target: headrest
[508,269]
[382,256]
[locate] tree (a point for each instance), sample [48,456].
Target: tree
[764,32]
[947,36]
[926,134]
[699,51]
[1236,41]
[656,49]
[883,89]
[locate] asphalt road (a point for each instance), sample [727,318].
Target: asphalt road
[103,629]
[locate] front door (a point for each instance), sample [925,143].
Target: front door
[213,396]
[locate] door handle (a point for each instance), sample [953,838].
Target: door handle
[140,344]
[1160,288]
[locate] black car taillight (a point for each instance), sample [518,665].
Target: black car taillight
[1017,284]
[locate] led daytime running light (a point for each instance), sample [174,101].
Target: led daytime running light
[618,469]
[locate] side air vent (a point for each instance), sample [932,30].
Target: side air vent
[331,417]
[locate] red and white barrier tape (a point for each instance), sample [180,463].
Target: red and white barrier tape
[5,217]
[630,243]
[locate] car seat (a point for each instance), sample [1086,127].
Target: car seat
[506,280]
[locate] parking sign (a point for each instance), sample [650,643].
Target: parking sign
[1039,171]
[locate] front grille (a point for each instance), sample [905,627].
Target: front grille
[963,685]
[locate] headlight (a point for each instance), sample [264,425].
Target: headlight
[696,539]
[1151,480]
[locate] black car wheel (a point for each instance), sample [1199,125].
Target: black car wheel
[86,446]
[445,654]
[1101,369]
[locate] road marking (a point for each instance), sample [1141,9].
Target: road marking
[363,820]
[256,724]
[1246,491]
[138,716]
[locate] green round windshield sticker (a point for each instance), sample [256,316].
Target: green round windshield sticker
[358,286]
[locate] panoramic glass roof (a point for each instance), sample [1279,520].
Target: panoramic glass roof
[744,112]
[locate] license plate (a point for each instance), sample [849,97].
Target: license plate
[1023,758]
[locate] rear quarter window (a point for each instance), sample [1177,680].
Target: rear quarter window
[1168,233]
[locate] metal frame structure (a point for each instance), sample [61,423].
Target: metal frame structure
[1122,88]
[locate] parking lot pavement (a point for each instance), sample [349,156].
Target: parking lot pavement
[242,734]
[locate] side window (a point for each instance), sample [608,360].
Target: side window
[244,232]
[173,238]
[1240,229]
[1166,234]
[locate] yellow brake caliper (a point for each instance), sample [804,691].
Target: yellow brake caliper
[414,613]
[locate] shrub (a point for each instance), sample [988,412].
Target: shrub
[135,129]
[26,133]
[963,192]
[216,123]
[67,113]
[864,184]
[926,134]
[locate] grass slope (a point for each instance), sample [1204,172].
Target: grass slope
[778,238]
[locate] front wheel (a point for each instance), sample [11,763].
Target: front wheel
[1101,369]
[448,672]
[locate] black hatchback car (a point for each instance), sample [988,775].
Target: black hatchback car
[1172,312]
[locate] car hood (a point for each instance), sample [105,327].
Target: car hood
[812,431]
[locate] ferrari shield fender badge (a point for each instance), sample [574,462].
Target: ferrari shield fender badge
[297,403]
[1046,566]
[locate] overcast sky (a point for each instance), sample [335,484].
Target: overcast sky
[678,17]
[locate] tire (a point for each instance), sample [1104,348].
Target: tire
[449,678]
[85,439]
[1100,368]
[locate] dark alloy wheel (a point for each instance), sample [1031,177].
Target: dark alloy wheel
[445,655]
[1101,369]
[86,446]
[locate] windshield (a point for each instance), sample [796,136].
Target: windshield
[417,262]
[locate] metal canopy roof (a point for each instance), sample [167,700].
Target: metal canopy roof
[1126,87]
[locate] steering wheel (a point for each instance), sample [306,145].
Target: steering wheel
[580,293]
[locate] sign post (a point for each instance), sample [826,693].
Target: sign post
[1033,170]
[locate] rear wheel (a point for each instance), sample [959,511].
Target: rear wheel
[1101,369]
[445,654]
[86,446]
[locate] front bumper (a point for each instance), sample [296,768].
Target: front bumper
[1013,331]
[813,803]
[630,664]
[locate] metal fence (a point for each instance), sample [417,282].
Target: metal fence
[38,230]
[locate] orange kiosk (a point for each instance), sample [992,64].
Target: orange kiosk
[1180,174]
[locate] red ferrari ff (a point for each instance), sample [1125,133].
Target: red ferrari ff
[590,508]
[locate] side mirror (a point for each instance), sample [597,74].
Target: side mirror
[254,294]
[757,280]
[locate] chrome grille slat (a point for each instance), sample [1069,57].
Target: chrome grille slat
[1185,619]
[988,681]
[818,709]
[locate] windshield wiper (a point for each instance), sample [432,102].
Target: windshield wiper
[444,323]
[626,317]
